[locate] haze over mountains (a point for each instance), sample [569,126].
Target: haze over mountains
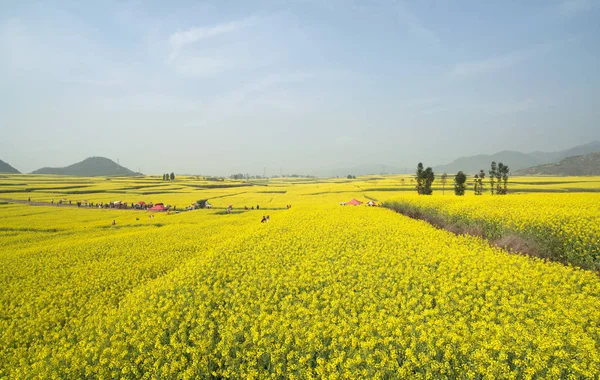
[588,164]
[472,164]
[515,160]
[90,167]
[535,162]
[6,168]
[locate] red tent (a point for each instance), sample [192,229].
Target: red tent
[354,202]
[158,207]
[141,203]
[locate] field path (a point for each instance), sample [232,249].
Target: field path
[33,203]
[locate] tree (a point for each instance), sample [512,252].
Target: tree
[505,178]
[478,182]
[402,181]
[428,177]
[459,183]
[172,176]
[501,178]
[493,172]
[349,176]
[444,180]
[481,178]
[425,178]
[420,179]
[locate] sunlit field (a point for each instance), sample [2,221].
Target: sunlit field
[320,291]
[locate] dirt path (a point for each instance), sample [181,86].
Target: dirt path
[33,203]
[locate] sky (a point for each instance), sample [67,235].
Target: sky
[294,86]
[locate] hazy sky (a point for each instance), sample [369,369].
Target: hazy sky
[233,86]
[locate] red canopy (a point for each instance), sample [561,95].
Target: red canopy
[141,203]
[158,207]
[354,202]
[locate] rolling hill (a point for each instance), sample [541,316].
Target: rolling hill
[6,168]
[90,167]
[514,160]
[588,164]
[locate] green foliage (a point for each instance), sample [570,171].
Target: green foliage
[459,183]
[425,178]
[493,174]
[478,182]
[501,178]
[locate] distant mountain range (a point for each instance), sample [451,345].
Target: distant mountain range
[472,164]
[90,167]
[6,168]
[514,160]
[588,164]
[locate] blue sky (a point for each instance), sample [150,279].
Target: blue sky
[234,86]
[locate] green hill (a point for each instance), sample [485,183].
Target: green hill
[6,168]
[90,167]
[588,164]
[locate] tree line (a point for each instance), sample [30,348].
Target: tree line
[498,179]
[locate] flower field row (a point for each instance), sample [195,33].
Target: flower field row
[563,227]
[319,292]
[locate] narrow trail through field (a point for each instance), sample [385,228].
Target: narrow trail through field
[34,203]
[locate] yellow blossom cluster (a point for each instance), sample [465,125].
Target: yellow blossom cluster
[317,292]
[566,225]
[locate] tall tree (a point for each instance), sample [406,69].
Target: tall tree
[172,176]
[428,177]
[505,178]
[476,185]
[493,172]
[481,178]
[444,180]
[502,178]
[459,183]
[425,178]
[420,179]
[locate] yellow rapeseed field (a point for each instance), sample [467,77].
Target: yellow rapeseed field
[320,291]
[566,224]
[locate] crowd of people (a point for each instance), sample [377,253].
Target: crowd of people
[147,206]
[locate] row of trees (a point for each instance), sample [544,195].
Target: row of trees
[498,180]
[169,177]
